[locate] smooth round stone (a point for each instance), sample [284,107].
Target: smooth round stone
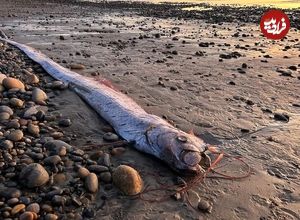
[4,116]
[32,79]
[118,151]
[2,76]
[58,85]
[91,183]
[204,206]
[34,175]
[38,95]
[47,208]
[51,217]
[15,102]
[97,168]
[6,144]
[65,123]
[12,201]
[11,83]
[83,172]
[105,177]
[4,108]
[57,146]
[33,129]
[58,200]
[127,180]
[33,207]
[52,160]
[14,124]
[15,135]
[16,209]
[109,136]
[76,66]
[10,193]
[27,216]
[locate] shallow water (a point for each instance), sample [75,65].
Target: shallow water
[285,4]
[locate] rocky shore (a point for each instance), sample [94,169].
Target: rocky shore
[42,176]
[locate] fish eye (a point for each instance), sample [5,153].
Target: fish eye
[182,138]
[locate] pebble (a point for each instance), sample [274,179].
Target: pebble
[105,177]
[11,83]
[118,151]
[127,180]
[281,117]
[33,129]
[10,193]
[52,160]
[109,136]
[4,108]
[2,76]
[77,66]
[14,124]
[51,217]
[58,200]
[33,207]
[34,175]
[15,135]
[97,168]
[27,216]
[83,172]
[38,95]
[91,183]
[15,102]
[58,147]
[32,79]
[204,206]
[65,123]
[6,144]
[16,209]
[4,116]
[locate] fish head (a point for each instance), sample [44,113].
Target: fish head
[182,151]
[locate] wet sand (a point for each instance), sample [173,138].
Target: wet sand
[221,79]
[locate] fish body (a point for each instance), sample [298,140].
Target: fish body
[149,133]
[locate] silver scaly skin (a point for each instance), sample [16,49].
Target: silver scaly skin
[149,133]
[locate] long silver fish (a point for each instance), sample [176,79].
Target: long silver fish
[149,133]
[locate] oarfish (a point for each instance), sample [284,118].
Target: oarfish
[149,133]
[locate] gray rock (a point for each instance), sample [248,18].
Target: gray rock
[4,108]
[38,95]
[34,175]
[10,193]
[105,177]
[4,116]
[33,129]
[15,135]
[51,217]
[6,144]
[58,147]
[65,122]
[33,207]
[109,136]
[97,168]
[52,160]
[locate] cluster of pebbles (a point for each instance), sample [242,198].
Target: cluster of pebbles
[42,176]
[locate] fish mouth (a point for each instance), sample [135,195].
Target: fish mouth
[190,172]
[190,158]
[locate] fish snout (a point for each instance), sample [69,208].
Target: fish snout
[190,158]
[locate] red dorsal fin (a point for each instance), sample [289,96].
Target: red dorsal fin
[107,83]
[191,132]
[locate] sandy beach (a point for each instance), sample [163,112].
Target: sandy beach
[211,71]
